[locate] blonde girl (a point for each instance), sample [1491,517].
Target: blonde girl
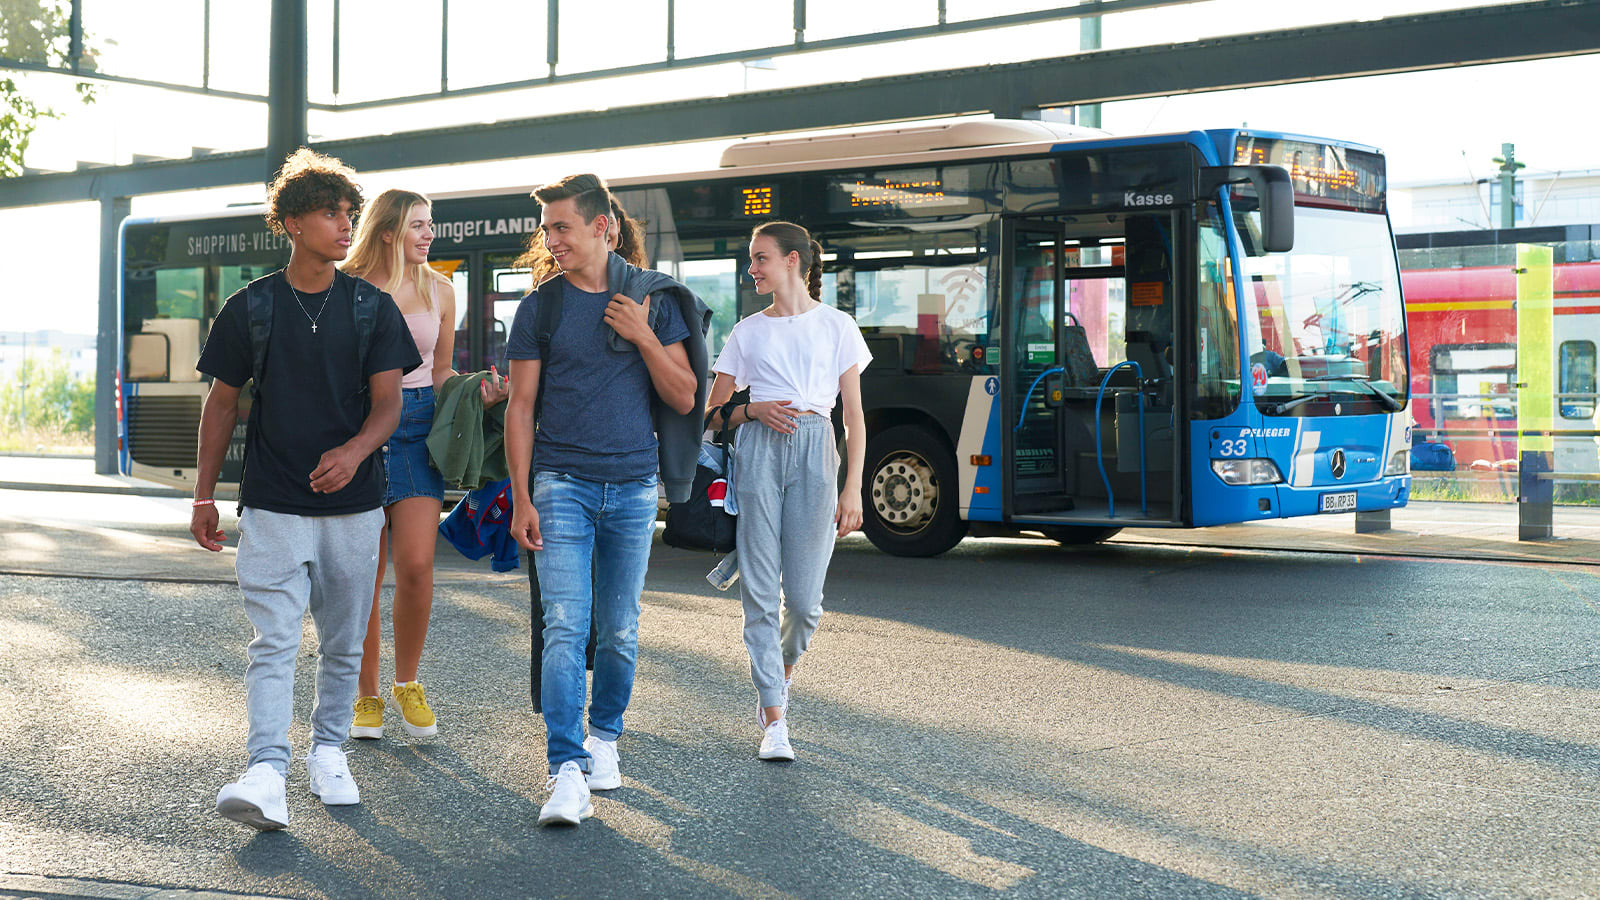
[391,251]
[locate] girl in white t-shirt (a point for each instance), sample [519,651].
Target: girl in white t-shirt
[798,357]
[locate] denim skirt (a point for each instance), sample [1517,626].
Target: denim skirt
[405,456]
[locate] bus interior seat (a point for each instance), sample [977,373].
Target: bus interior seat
[183,349]
[1077,358]
[147,357]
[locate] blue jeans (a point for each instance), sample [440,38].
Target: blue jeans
[596,548]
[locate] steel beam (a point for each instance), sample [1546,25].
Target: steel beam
[1520,31]
[113,210]
[286,83]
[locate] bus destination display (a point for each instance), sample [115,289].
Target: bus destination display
[915,192]
[758,201]
[1322,174]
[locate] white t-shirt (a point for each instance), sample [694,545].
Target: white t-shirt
[794,358]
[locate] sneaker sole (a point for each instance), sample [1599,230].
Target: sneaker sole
[247,813]
[609,784]
[337,800]
[413,730]
[558,819]
[365,733]
[776,756]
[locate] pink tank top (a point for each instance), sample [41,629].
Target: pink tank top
[425,331]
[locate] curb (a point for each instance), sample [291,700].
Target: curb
[127,490]
[47,888]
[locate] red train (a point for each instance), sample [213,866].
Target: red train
[1462,324]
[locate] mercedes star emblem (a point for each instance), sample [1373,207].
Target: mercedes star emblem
[1337,463]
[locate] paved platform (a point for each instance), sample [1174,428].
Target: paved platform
[1448,530]
[1012,718]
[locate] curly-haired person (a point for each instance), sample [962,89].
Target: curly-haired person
[327,397]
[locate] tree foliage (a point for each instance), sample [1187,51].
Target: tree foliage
[32,31]
[43,394]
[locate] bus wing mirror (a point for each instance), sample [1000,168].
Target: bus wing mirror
[1275,192]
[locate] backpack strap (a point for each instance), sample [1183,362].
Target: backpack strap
[258,313]
[546,318]
[258,303]
[366,313]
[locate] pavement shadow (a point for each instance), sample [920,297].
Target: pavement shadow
[1212,605]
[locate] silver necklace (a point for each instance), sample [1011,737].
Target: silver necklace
[303,305]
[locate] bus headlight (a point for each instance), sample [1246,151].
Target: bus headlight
[1399,463]
[1246,471]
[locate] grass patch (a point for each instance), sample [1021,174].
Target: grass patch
[45,439]
[1494,487]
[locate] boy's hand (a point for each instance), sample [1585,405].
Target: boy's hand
[629,319]
[334,470]
[203,525]
[525,526]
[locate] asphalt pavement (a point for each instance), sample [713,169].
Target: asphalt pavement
[1137,719]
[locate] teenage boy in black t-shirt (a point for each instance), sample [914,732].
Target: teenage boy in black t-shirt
[312,489]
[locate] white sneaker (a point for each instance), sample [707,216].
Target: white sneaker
[569,797]
[775,741]
[330,776]
[256,799]
[604,773]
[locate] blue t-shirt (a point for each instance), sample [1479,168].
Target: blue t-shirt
[594,408]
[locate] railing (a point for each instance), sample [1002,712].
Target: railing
[1099,446]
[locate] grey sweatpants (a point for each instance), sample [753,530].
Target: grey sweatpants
[787,492]
[287,563]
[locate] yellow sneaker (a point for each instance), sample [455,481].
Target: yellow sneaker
[369,718]
[412,701]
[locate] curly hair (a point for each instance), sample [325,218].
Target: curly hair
[309,181]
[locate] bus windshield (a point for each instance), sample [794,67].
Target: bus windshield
[1328,337]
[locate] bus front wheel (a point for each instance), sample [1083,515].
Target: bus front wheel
[909,494]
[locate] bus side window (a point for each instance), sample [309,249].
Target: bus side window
[940,313]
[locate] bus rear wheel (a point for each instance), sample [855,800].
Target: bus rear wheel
[909,494]
[1077,535]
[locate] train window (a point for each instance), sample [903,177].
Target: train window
[1577,388]
[1474,381]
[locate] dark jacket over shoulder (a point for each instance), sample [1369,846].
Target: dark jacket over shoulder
[678,434]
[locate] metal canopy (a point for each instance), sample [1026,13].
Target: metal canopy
[1520,31]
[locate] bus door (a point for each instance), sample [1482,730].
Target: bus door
[500,290]
[1033,414]
[1087,294]
[458,268]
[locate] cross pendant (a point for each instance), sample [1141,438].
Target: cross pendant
[313,328]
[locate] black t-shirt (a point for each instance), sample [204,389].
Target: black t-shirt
[310,399]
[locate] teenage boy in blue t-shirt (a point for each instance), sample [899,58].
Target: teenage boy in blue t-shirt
[591,500]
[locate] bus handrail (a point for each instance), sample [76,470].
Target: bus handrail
[1029,395]
[1099,448]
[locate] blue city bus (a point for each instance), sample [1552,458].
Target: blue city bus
[1072,333]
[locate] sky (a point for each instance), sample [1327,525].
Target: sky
[1441,126]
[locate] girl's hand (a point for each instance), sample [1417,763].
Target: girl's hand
[493,389]
[848,513]
[774,414]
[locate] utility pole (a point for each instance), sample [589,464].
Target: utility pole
[1088,39]
[1508,184]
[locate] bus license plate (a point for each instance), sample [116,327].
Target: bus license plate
[1341,502]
